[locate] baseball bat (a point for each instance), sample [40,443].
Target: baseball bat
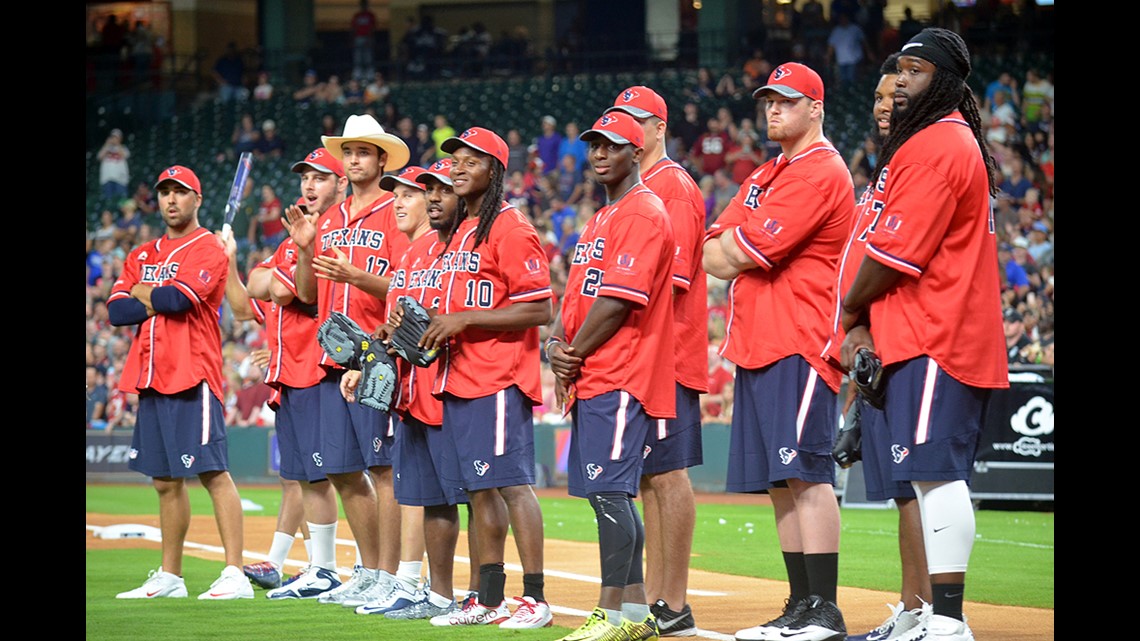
[245,163]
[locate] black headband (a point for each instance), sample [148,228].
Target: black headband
[928,47]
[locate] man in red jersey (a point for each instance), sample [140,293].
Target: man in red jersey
[931,256]
[172,288]
[271,297]
[673,445]
[343,265]
[612,355]
[778,241]
[496,294]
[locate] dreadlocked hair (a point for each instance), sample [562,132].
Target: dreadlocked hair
[947,92]
[488,209]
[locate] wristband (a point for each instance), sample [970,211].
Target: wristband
[550,342]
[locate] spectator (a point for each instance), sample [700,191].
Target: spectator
[269,225]
[229,73]
[442,131]
[517,153]
[145,200]
[548,144]
[702,87]
[245,137]
[250,405]
[311,90]
[1016,280]
[106,227]
[909,27]
[574,147]
[1037,92]
[353,92]
[1016,184]
[569,176]
[270,145]
[707,183]
[1002,118]
[332,93]
[690,127]
[129,222]
[1040,248]
[1016,339]
[96,399]
[425,144]
[723,191]
[244,225]
[142,50]
[846,48]
[1004,82]
[711,147]
[865,157]
[114,172]
[377,91]
[363,40]
[717,403]
[263,90]
[743,157]
[329,125]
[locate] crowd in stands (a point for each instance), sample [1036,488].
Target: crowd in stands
[550,180]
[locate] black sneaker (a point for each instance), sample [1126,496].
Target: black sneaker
[792,611]
[821,621]
[673,624]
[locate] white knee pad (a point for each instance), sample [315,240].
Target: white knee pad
[947,524]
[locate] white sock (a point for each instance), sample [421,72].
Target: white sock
[947,524]
[438,600]
[635,611]
[309,549]
[409,573]
[613,616]
[279,549]
[323,537]
[358,558]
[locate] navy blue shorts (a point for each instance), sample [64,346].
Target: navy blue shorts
[179,435]
[353,437]
[877,457]
[935,422]
[299,434]
[420,456]
[783,427]
[493,438]
[607,444]
[675,443]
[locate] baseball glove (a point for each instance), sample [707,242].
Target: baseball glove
[867,374]
[405,340]
[849,444]
[343,340]
[378,378]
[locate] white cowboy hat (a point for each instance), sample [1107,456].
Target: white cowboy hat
[364,128]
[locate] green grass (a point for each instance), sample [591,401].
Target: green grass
[1012,564]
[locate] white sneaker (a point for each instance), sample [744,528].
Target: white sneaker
[399,595]
[361,580]
[911,625]
[475,614]
[380,587]
[158,584]
[231,584]
[530,614]
[943,628]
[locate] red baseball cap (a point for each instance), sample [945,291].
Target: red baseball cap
[793,80]
[406,176]
[321,160]
[181,175]
[479,139]
[618,127]
[641,102]
[439,170]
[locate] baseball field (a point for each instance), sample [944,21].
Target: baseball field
[735,581]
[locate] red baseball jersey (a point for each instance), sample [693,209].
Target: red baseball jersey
[369,241]
[866,209]
[791,218]
[685,207]
[174,352]
[508,267]
[419,274]
[627,251]
[937,228]
[294,354]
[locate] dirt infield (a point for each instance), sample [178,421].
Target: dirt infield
[746,601]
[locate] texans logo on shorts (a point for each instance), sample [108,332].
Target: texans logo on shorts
[645,452]
[187,460]
[593,471]
[781,73]
[787,455]
[899,453]
[376,443]
[133,454]
[481,467]
[317,459]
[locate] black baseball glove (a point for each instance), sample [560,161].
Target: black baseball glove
[405,340]
[343,340]
[849,443]
[867,374]
[378,378]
